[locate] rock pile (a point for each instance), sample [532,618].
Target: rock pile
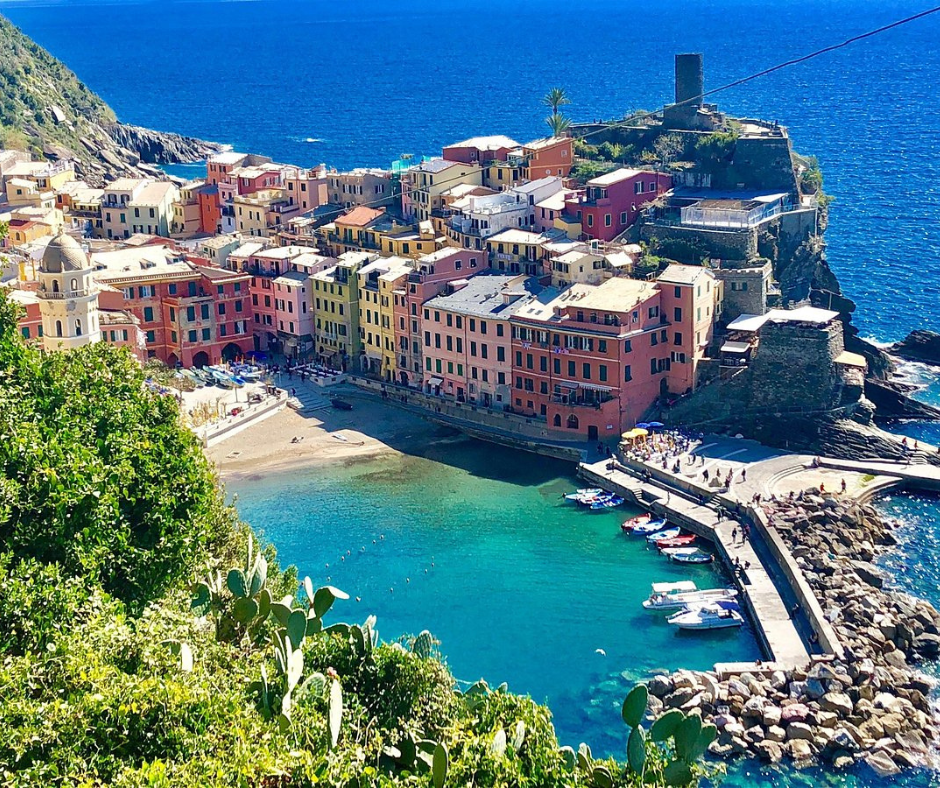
[872,706]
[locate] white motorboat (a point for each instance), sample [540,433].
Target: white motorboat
[679,587]
[680,599]
[710,616]
[585,495]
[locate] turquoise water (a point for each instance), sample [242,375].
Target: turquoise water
[517,585]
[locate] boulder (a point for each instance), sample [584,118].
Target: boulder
[769,751]
[799,730]
[841,739]
[795,712]
[837,702]
[775,733]
[660,686]
[882,764]
[868,573]
[771,715]
[800,750]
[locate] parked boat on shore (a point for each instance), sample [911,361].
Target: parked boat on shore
[710,616]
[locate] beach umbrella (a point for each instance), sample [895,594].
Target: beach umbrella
[641,432]
[655,425]
[642,425]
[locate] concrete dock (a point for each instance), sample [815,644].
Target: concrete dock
[759,594]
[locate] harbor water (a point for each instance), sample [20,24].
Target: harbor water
[476,544]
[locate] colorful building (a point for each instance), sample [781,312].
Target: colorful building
[481,150]
[423,186]
[466,338]
[368,186]
[336,309]
[611,202]
[376,314]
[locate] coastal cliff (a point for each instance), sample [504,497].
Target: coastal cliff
[46,109]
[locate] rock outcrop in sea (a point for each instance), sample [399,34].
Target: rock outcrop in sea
[871,706]
[919,345]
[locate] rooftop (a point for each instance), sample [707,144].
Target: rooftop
[494,142]
[614,295]
[154,193]
[359,216]
[544,142]
[248,249]
[145,259]
[281,252]
[437,165]
[227,157]
[514,236]
[125,184]
[616,176]
[292,278]
[482,295]
[676,274]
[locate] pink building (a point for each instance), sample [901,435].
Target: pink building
[294,313]
[265,266]
[480,149]
[691,297]
[467,338]
[611,202]
[592,359]
[429,277]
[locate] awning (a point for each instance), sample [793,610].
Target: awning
[747,323]
[735,347]
[851,360]
[594,387]
[436,382]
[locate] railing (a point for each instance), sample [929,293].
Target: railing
[62,295]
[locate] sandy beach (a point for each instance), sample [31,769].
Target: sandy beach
[292,439]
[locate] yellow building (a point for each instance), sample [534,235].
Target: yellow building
[336,310]
[423,186]
[187,217]
[47,175]
[376,282]
[519,251]
[262,213]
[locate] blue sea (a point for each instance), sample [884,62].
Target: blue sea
[477,546]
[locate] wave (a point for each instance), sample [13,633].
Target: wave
[309,140]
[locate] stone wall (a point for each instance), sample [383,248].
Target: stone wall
[793,366]
[745,290]
[691,244]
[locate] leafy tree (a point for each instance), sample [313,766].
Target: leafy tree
[668,148]
[96,472]
[555,98]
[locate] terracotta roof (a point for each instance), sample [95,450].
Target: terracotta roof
[359,216]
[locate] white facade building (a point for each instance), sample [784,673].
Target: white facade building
[68,296]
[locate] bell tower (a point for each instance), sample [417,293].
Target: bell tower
[68,296]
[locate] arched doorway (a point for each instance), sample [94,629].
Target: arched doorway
[557,420]
[573,422]
[403,378]
[201,359]
[231,351]
[172,360]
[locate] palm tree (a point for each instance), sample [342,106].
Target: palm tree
[559,124]
[555,98]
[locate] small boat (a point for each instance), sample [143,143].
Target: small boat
[689,599]
[340,404]
[607,502]
[586,492]
[196,380]
[709,616]
[627,526]
[667,533]
[649,528]
[688,555]
[683,540]
[674,587]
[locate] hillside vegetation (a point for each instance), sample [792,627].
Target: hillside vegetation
[47,109]
[146,640]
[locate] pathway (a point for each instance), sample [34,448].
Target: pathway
[775,628]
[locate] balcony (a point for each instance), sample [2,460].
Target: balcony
[49,294]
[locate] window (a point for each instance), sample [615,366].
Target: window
[500,353]
[602,373]
[677,315]
[148,314]
[606,220]
[25,332]
[450,319]
[627,346]
[528,361]
[207,334]
[483,350]
[652,366]
[543,363]
[151,337]
[500,378]
[623,217]
[238,306]
[677,339]
[172,315]
[190,313]
[172,336]
[627,374]
[204,310]
[518,358]
[192,336]
[586,371]
[678,292]
[590,220]
[654,339]
[556,366]
[572,422]
[572,367]
[192,288]
[638,187]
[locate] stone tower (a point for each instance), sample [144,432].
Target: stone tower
[68,296]
[690,78]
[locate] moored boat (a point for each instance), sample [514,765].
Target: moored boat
[609,501]
[627,526]
[688,555]
[682,540]
[710,616]
[578,496]
[687,599]
[650,527]
[666,533]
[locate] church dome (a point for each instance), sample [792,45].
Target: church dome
[62,254]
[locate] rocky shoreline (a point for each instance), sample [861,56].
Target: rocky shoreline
[872,706]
